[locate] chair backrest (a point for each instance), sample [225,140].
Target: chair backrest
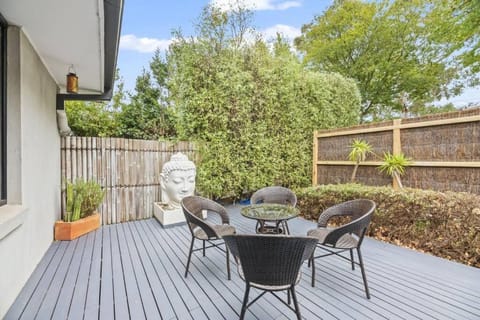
[270,260]
[275,194]
[360,211]
[193,206]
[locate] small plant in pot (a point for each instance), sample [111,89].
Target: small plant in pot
[80,217]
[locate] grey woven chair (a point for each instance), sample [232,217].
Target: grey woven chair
[275,194]
[345,237]
[204,230]
[270,263]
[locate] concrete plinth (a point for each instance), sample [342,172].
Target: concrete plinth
[168,217]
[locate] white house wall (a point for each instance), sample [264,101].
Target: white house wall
[33,165]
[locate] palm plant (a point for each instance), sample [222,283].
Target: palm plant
[394,165]
[358,153]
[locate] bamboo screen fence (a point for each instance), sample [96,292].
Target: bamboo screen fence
[128,170]
[445,149]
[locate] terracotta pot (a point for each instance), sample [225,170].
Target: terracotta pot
[73,230]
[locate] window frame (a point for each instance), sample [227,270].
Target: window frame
[3,110]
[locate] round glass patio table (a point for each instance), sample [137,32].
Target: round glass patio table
[271,218]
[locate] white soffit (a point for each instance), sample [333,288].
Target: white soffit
[64,32]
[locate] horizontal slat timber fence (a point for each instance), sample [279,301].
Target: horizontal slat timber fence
[445,149]
[128,170]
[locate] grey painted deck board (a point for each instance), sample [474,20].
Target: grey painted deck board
[92,302]
[24,297]
[146,296]
[136,270]
[194,294]
[168,278]
[68,287]
[106,285]
[135,305]
[120,293]
[79,298]
[52,295]
[43,286]
[155,270]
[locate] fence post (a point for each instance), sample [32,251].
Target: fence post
[315,158]
[397,146]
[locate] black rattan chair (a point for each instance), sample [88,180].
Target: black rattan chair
[193,208]
[275,194]
[270,263]
[345,237]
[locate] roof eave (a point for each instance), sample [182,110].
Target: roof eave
[113,10]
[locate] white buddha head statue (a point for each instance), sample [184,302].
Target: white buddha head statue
[177,180]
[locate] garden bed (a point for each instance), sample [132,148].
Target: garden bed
[446,224]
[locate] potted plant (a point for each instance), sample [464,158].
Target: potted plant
[80,216]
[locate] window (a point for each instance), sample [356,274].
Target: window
[3,110]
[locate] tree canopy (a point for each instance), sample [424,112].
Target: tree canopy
[402,54]
[143,114]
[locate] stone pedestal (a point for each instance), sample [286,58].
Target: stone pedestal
[168,217]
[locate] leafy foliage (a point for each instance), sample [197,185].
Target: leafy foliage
[251,109]
[462,17]
[394,165]
[92,119]
[444,224]
[403,54]
[358,153]
[83,198]
[145,115]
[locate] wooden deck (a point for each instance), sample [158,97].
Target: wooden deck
[135,271]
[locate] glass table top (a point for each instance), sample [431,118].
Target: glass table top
[269,212]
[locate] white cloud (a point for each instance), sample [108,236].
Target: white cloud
[227,5]
[288,32]
[143,45]
[287,5]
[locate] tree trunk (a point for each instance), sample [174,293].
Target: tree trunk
[354,173]
[397,179]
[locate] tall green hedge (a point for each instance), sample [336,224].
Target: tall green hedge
[253,110]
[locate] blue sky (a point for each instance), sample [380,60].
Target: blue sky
[148,24]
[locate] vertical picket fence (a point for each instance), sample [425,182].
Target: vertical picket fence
[128,170]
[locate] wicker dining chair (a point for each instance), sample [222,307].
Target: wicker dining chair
[270,263]
[275,194]
[345,237]
[205,230]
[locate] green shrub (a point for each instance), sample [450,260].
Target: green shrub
[83,198]
[252,110]
[444,224]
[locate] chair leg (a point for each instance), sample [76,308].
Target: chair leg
[257,227]
[364,276]
[313,270]
[288,296]
[351,259]
[295,303]
[189,257]
[287,230]
[245,302]
[228,261]
[204,248]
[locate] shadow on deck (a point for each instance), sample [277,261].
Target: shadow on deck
[135,270]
